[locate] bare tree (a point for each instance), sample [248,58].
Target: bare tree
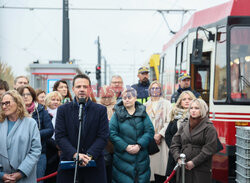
[6,74]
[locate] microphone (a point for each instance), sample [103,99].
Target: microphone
[82,102]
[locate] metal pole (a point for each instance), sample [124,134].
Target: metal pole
[99,81]
[183,158]
[77,161]
[105,71]
[65,32]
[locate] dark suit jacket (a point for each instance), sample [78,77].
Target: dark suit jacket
[94,135]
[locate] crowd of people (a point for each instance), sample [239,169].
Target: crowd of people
[133,133]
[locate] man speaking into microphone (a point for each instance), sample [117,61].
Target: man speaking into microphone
[94,134]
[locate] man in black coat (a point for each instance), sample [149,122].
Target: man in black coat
[184,85]
[94,135]
[143,84]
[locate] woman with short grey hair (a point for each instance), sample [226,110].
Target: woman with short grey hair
[131,130]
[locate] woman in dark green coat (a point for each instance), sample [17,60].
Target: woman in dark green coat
[130,132]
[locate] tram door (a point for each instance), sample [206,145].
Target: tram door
[200,76]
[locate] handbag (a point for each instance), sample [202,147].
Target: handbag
[153,147]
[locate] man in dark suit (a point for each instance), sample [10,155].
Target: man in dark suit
[95,132]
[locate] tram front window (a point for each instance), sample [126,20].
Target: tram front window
[240,63]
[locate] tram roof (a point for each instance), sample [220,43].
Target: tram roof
[213,14]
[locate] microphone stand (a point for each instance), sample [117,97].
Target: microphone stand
[77,162]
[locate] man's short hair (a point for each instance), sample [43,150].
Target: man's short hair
[4,85]
[18,77]
[82,76]
[116,76]
[130,90]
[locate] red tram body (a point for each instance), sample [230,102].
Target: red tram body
[222,76]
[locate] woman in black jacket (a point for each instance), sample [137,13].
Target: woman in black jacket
[178,117]
[43,120]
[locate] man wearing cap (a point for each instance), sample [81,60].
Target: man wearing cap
[142,86]
[184,85]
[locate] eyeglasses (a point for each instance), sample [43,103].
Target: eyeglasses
[127,97]
[116,82]
[26,94]
[155,88]
[7,103]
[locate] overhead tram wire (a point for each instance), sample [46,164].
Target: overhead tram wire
[95,9]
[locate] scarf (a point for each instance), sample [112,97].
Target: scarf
[157,114]
[181,115]
[194,122]
[52,112]
[31,108]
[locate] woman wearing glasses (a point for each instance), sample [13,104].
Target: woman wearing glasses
[20,145]
[131,130]
[43,120]
[158,109]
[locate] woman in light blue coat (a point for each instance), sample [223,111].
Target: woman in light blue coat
[20,145]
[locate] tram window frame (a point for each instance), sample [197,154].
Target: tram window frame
[232,101]
[184,55]
[177,64]
[218,59]
[162,65]
[181,60]
[185,51]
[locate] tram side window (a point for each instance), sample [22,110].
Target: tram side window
[240,63]
[220,79]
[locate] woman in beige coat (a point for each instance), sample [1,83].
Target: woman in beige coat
[158,110]
[108,99]
[198,141]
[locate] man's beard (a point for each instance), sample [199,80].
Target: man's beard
[144,81]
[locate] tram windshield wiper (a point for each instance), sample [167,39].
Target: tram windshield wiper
[245,81]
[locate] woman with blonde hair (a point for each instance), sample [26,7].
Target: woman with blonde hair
[178,117]
[158,110]
[108,99]
[19,133]
[198,141]
[52,102]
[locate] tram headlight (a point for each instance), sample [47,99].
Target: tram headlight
[247,58]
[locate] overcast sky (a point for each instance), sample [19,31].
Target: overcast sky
[128,39]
